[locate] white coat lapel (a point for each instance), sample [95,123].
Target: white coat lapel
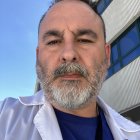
[115,129]
[46,123]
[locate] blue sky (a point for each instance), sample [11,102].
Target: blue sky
[18,40]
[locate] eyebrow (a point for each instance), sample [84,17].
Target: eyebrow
[79,32]
[54,33]
[89,32]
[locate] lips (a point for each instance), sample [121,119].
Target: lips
[71,76]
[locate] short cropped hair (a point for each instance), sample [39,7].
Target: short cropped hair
[90,3]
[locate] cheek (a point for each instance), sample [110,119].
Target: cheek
[48,61]
[90,57]
[99,55]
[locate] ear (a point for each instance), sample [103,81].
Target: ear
[108,53]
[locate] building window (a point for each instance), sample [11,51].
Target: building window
[125,48]
[129,41]
[102,5]
[115,55]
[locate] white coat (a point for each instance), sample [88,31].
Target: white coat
[32,118]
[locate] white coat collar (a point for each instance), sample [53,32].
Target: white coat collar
[120,126]
[122,122]
[45,120]
[116,122]
[47,124]
[36,99]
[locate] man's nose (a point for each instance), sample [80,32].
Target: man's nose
[69,53]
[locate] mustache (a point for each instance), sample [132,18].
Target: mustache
[70,68]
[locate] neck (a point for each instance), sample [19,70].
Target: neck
[88,111]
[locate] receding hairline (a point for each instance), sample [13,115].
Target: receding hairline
[62,1]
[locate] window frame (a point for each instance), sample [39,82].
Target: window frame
[120,59]
[106,4]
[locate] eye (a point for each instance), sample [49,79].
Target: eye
[85,41]
[53,42]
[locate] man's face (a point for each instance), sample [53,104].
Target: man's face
[72,56]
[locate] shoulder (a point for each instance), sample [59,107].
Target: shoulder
[18,114]
[8,102]
[10,105]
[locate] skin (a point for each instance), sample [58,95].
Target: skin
[61,41]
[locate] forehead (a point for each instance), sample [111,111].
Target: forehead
[73,14]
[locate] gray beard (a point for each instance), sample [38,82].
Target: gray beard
[72,94]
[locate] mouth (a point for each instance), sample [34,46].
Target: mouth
[70,76]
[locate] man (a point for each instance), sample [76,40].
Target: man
[72,60]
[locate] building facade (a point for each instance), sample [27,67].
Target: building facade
[121,90]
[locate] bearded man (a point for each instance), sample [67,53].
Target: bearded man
[72,61]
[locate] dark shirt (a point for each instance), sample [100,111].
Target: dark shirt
[80,128]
